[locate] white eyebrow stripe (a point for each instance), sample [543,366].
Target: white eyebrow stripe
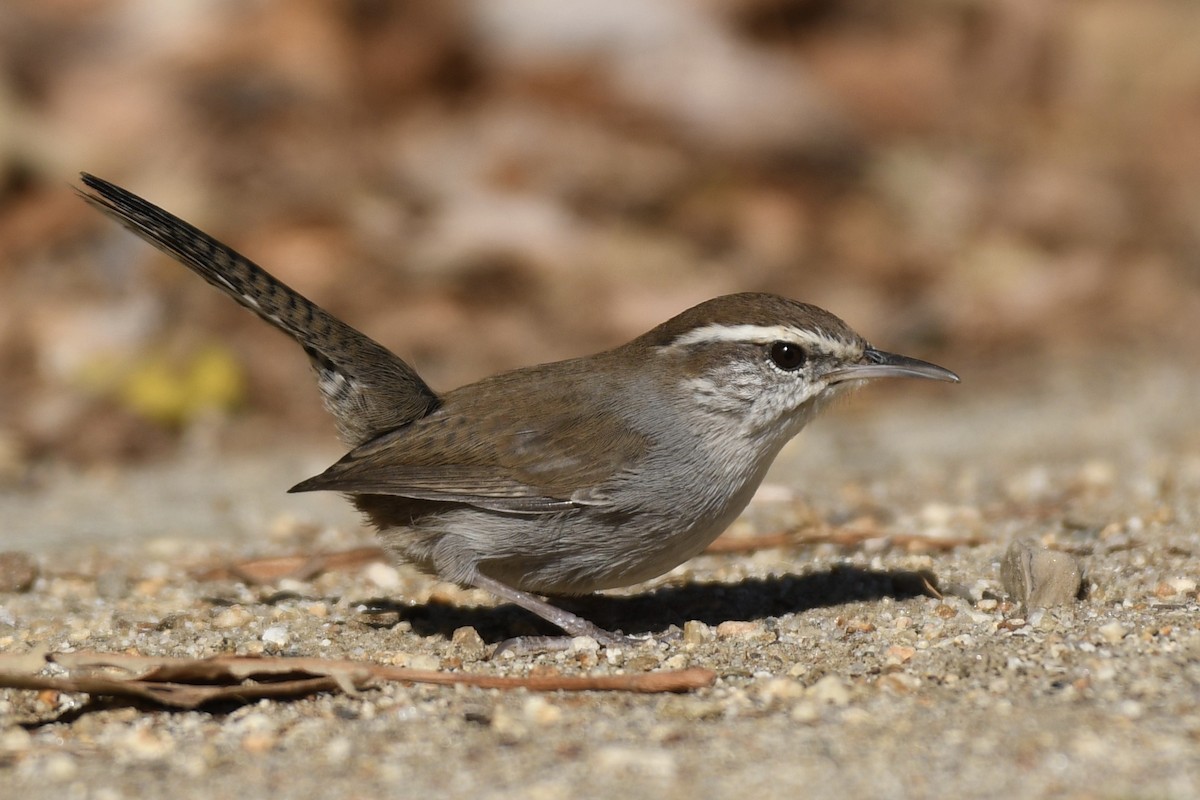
[765,334]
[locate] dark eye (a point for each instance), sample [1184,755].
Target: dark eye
[788,356]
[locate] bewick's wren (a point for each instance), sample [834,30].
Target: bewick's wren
[563,478]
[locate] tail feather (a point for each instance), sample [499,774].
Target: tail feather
[365,386]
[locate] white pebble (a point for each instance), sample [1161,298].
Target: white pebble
[385,576]
[1113,632]
[276,635]
[584,644]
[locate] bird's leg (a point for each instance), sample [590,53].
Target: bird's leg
[572,624]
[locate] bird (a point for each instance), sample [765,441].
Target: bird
[564,478]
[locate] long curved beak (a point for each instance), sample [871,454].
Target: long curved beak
[878,364]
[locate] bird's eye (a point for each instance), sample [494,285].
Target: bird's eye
[788,356]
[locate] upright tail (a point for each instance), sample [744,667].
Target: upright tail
[366,387]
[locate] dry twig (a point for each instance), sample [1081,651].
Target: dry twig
[189,682]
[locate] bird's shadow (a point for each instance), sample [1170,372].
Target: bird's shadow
[659,609]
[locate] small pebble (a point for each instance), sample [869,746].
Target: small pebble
[677,661]
[277,636]
[584,644]
[697,632]
[338,749]
[59,767]
[1183,585]
[805,711]
[385,576]
[15,740]
[232,617]
[899,654]
[421,661]
[781,689]
[1040,578]
[506,725]
[741,629]
[539,711]
[1113,632]
[144,744]
[830,690]
[469,640]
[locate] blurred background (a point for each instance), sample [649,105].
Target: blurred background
[1001,186]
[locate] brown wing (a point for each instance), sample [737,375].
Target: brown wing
[554,456]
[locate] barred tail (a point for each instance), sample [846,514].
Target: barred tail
[366,387]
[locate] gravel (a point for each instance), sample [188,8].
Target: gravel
[839,675]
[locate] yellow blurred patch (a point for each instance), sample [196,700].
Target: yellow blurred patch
[174,393]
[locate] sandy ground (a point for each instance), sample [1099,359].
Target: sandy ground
[841,679]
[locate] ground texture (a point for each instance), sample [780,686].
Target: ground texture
[839,674]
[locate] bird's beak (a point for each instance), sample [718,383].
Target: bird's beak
[878,364]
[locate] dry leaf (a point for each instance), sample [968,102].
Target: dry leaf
[189,683]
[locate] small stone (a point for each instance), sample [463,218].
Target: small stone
[740,629]
[781,689]
[59,767]
[696,632]
[469,640]
[899,654]
[420,661]
[260,733]
[318,610]
[1099,474]
[18,571]
[232,617]
[1113,632]
[276,636]
[1131,709]
[338,749]
[538,711]
[144,744]
[385,576]
[1183,585]
[584,644]
[805,711]
[258,742]
[510,729]
[858,625]
[677,661]
[15,740]
[857,716]
[643,662]
[149,587]
[830,690]
[1040,578]
[988,604]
